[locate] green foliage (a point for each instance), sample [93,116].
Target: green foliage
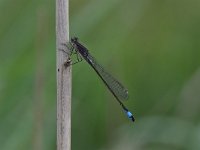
[152,47]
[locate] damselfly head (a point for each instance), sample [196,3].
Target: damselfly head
[74,39]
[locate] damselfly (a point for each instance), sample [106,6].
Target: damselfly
[115,87]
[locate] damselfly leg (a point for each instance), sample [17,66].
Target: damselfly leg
[73,51]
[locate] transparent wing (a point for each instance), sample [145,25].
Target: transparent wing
[116,88]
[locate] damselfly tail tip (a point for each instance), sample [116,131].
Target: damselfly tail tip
[130,116]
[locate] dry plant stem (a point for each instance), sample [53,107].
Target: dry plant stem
[63,77]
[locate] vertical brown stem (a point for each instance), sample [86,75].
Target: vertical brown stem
[63,77]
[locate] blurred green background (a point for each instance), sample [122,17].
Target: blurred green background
[151,46]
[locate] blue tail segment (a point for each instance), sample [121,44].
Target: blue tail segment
[130,115]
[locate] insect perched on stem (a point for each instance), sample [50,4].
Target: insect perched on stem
[115,87]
